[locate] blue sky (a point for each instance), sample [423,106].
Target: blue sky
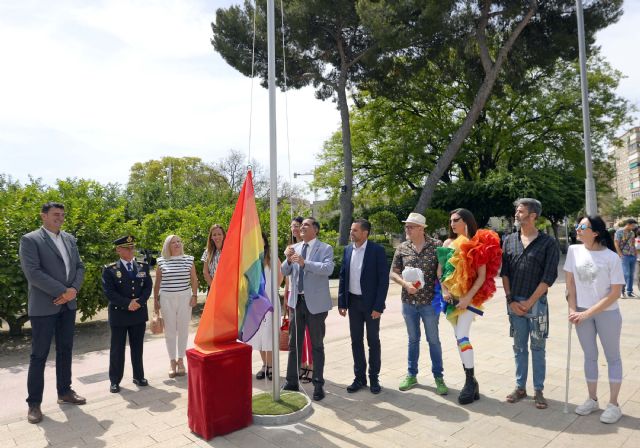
[89,87]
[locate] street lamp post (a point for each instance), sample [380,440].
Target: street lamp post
[590,185]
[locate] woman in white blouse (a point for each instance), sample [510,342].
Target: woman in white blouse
[175,292]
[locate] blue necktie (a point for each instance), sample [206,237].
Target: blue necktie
[130,269]
[301,272]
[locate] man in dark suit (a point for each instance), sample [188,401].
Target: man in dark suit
[127,284]
[309,263]
[364,282]
[51,263]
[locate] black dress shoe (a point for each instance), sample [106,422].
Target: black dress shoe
[35,414]
[375,388]
[291,387]
[355,386]
[140,382]
[318,393]
[115,388]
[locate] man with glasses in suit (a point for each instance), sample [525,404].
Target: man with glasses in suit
[310,263]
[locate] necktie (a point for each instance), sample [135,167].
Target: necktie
[301,272]
[129,269]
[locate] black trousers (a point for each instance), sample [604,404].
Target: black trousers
[359,318]
[43,329]
[316,324]
[116,354]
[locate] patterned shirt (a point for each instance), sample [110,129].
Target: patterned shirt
[176,273]
[426,260]
[214,261]
[527,268]
[626,242]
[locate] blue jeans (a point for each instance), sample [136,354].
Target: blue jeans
[43,330]
[628,268]
[412,315]
[536,326]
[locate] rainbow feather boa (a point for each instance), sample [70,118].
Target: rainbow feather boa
[460,262]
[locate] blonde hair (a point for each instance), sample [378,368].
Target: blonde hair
[166,249]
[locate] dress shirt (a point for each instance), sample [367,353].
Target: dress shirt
[355,268]
[57,240]
[309,247]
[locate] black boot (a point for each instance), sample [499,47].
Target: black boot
[471,390]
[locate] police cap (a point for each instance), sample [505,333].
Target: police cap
[125,241]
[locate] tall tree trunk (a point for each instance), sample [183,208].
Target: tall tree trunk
[492,69]
[346,192]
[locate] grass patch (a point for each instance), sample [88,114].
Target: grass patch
[289,403]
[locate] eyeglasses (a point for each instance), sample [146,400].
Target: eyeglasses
[411,227]
[582,227]
[456,219]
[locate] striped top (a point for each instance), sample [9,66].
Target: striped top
[176,273]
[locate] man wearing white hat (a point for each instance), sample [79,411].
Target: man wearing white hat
[419,251]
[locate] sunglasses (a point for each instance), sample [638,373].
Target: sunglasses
[455,219]
[582,227]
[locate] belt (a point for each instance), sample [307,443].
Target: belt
[301,296]
[356,296]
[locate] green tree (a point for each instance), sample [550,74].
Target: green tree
[174,182]
[384,222]
[540,129]
[496,42]
[94,215]
[325,45]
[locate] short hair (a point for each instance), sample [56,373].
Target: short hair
[315,223]
[630,221]
[166,250]
[298,219]
[49,205]
[533,205]
[364,224]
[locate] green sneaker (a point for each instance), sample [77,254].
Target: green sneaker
[408,383]
[441,388]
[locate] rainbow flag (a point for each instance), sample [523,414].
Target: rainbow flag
[236,303]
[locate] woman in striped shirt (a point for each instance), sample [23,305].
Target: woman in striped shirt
[175,292]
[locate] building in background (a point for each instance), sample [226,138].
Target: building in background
[626,152]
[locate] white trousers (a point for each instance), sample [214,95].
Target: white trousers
[176,313]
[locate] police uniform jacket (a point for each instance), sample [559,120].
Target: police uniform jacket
[120,289]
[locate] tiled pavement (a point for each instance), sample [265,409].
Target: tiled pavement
[157,415]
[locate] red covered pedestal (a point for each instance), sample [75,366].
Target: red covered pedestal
[220,390]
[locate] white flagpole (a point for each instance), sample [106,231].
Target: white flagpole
[273,197]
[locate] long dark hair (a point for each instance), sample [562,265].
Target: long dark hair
[469,220]
[292,239]
[603,237]
[211,247]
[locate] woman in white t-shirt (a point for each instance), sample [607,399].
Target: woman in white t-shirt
[176,292]
[594,282]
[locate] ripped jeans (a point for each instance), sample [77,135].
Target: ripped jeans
[534,325]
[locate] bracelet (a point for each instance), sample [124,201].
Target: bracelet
[509,299]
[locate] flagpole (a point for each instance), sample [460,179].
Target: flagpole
[273,197]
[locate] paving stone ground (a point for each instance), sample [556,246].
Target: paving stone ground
[156,416]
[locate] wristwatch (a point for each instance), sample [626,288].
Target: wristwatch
[509,299]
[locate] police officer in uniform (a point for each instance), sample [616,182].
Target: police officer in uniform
[127,284]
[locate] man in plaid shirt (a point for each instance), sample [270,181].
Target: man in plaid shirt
[529,267]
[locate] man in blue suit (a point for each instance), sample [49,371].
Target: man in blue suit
[310,263]
[364,282]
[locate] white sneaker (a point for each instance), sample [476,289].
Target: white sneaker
[587,407]
[612,414]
